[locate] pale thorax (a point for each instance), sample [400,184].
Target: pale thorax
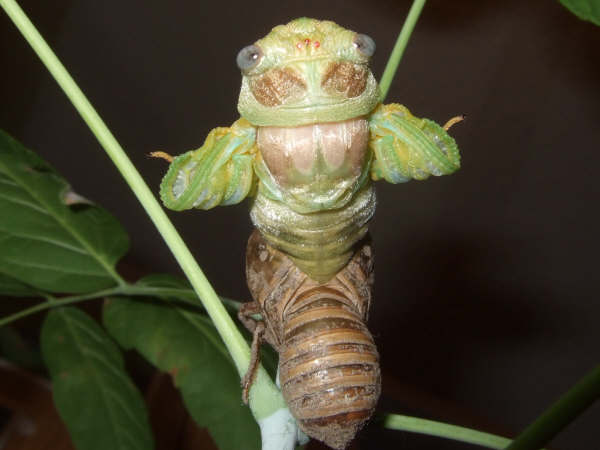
[314,198]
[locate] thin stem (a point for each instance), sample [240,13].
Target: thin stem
[398,51]
[561,413]
[185,295]
[266,399]
[53,302]
[444,430]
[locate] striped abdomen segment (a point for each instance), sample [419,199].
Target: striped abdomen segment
[329,366]
[328,363]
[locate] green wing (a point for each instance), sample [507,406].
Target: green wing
[218,173]
[406,147]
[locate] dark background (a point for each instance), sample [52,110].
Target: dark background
[487,283]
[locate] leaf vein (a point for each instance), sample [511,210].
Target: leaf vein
[83,240]
[107,363]
[49,241]
[24,203]
[115,425]
[56,268]
[5,180]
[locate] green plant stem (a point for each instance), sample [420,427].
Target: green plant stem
[53,302]
[539,433]
[185,295]
[398,51]
[444,430]
[265,398]
[561,413]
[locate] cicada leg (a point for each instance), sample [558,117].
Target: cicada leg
[162,155]
[257,327]
[246,313]
[453,121]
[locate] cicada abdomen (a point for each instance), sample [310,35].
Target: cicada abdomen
[328,363]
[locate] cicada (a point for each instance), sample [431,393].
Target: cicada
[312,137]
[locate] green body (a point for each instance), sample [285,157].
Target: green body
[311,139]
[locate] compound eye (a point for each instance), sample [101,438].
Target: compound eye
[248,57]
[364,44]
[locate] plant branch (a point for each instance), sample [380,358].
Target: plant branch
[52,302]
[444,430]
[576,400]
[184,295]
[266,398]
[539,433]
[398,51]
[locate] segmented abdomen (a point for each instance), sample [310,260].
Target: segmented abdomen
[328,362]
[329,370]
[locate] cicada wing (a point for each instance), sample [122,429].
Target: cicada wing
[406,147]
[218,173]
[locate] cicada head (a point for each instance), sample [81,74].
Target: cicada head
[307,71]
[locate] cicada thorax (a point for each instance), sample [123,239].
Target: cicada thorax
[314,198]
[328,363]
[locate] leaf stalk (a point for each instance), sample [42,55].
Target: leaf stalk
[560,414]
[399,47]
[444,430]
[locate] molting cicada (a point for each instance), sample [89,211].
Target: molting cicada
[312,137]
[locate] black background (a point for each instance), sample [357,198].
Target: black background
[486,304]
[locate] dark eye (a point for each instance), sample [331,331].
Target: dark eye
[248,57]
[364,44]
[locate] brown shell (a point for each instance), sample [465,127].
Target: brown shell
[328,362]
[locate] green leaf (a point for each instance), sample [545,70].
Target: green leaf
[92,392]
[51,239]
[186,344]
[14,288]
[584,9]
[183,291]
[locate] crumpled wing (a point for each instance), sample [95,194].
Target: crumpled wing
[406,147]
[218,173]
